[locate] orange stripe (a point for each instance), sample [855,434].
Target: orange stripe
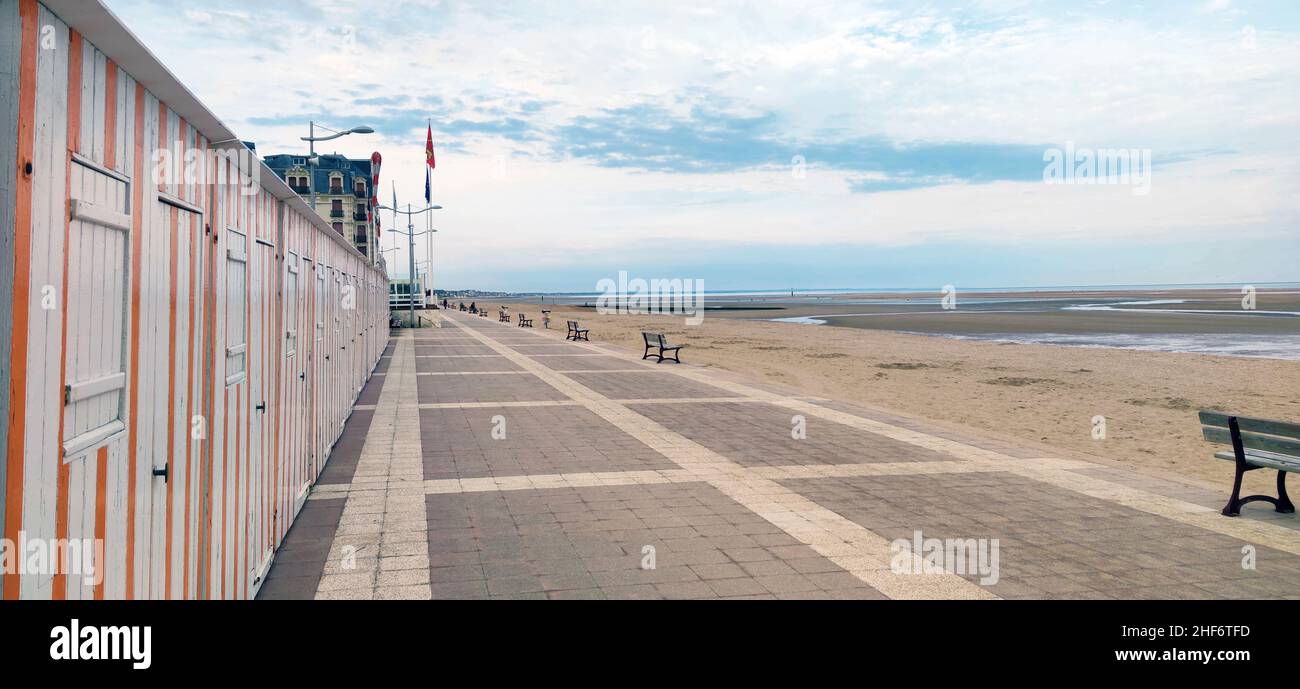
[279,472]
[110,115]
[22,284]
[171,401]
[59,588]
[196,368]
[225,484]
[238,555]
[137,227]
[210,407]
[211,393]
[101,504]
[191,367]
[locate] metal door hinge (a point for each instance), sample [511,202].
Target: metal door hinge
[164,472]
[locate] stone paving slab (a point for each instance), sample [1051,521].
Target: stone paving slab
[523,388]
[545,349]
[625,542]
[300,562]
[423,350]
[483,362]
[459,443]
[1055,543]
[764,435]
[583,363]
[632,386]
[1000,446]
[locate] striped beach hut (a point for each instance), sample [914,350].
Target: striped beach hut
[183,338]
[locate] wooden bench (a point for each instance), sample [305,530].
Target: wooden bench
[1256,444]
[483,313]
[503,316]
[576,333]
[656,341]
[525,322]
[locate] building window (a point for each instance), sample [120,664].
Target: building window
[338,227]
[336,185]
[291,306]
[236,306]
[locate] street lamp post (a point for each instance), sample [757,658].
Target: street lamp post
[410,237]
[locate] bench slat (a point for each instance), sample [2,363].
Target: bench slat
[1254,441]
[1264,459]
[1246,423]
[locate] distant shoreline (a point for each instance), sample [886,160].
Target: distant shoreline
[1191,320]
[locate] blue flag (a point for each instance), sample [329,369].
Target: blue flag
[428,189]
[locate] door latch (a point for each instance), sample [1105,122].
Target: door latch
[261,407]
[164,472]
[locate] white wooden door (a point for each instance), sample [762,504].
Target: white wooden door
[261,344]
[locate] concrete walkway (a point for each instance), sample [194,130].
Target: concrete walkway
[489,461]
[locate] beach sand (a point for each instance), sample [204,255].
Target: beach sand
[1043,394]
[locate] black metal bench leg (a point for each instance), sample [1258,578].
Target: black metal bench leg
[1233,508]
[1284,504]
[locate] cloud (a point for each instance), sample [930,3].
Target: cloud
[653,138]
[569,131]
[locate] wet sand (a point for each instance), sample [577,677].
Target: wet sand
[1039,312]
[1037,393]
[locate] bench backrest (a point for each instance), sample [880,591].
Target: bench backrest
[653,339]
[1278,437]
[573,325]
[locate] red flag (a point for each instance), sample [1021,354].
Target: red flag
[428,149]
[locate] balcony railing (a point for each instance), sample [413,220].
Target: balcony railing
[336,190]
[359,193]
[300,190]
[337,213]
[359,216]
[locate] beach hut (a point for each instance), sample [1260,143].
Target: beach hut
[184,337]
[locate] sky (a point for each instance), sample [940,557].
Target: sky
[777,145]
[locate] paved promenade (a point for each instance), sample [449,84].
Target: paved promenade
[488,461]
